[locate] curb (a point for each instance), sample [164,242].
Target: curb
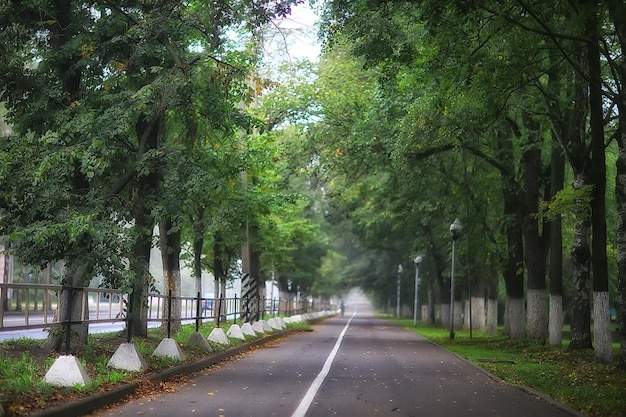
[94,402]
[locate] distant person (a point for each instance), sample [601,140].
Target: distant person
[343,308]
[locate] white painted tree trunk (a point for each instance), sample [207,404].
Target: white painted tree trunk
[602,342]
[478,313]
[515,310]
[492,317]
[555,322]
[444,314]
[537,315]
[458,315]
[466,315]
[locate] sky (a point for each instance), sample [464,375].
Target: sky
[300,37]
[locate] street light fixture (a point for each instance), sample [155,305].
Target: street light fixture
[455,230]
[417,261]
[398,291]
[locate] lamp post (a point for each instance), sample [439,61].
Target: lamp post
[398,292]
[417,261]
[455,230]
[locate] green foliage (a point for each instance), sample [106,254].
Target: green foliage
[569,201]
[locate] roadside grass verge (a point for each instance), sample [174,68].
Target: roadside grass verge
[574,378]
[24,363]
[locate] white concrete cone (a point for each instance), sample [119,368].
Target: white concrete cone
[196,339]
[281,322]
[266,327]
[258,327]
[234,332]
[67,371]
[127,357]
[247,329]
[274,324]
[169,348]
[217,335]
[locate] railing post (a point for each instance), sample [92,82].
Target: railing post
[236,310]
[169,312]
[245,311]
[128,319]
[198,301]
[68,312]
[3,295]
[26,315]
[219,310]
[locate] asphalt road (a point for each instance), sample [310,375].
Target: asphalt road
[357,365]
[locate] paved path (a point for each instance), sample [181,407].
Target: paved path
[356,365]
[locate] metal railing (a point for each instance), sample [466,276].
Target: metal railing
[32,306]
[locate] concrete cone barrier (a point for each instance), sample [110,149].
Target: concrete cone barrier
[218,336]
[127,357]
[234,332]
[197,340]
[258,327]
[274,324]
[67,371]
[266,327]
[169,348]
[247,329]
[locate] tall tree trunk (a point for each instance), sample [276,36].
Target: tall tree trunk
[73,276]
[617,11]
[170,237]
[515,313]
[581,255]
[557,181]
[140,265]
[535,254]
[219,268]
[444,287]
[198,243]
[620,193]
[601,318]
[147,131]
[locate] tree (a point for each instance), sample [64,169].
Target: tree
[88,87]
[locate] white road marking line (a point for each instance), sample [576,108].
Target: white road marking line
[317,383]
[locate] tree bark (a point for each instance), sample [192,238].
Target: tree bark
[73,276]
[140,265]
[170,239]
[581,255]
[557,181]
[513,271]
[617,12]
[147,130]
[534,250]
[198,244]
[601,318]
[620,192]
